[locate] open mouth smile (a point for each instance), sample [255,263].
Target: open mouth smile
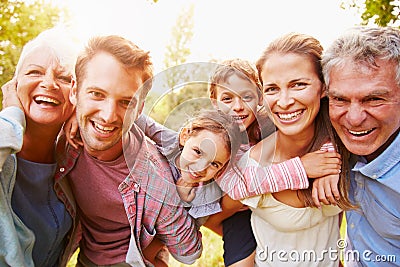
[289,116]
[361,133]
[46,100]
[103,129]
[239,117]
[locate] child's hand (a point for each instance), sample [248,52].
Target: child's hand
[321,163]
[186,190]
[71,129]
[325,190]
[10,97]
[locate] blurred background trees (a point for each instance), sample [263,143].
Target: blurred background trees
[378,12]
[20,21]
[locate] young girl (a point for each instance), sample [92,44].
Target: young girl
[206,144]
[287,221]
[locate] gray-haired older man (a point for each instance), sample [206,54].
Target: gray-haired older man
[362,73]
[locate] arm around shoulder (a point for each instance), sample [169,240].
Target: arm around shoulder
[249,179]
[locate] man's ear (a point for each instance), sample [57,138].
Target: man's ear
[261,100]
[73,92]
[184,135]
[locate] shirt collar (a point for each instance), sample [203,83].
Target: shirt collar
[383,163]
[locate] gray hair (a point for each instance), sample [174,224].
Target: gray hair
[363,45]
[58,41]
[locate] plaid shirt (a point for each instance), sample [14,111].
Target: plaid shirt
[151,202]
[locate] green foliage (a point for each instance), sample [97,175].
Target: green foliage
[178,50]
[188,97]
[188,100]
[382,11]
[379,12]
[20,21]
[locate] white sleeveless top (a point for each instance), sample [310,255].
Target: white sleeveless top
[289,236]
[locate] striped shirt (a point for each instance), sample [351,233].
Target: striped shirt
[249,181]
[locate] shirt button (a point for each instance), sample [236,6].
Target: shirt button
[352,225]
[136,187]
[62,169]
[374,176]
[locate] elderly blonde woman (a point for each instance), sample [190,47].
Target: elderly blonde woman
[33,222]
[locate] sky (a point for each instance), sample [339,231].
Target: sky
[223,29]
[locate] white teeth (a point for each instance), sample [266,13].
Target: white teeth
[103,129]
[193,174]
[239,117]
[360,132]
[47,99]
[289,116]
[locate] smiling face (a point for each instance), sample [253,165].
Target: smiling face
[238,97]
[364,106]
[203,156]
[43,87]
[102,100]
[292,91]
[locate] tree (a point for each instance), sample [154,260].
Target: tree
[190,95]
[379,12]
[177,51]
[21,21]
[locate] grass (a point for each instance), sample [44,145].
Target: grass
[211,256]
[212,250]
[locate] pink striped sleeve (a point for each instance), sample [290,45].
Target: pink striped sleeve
[256,180]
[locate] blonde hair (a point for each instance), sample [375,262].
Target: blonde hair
[59,41]
[245,70]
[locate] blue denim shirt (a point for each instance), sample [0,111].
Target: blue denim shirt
[374,229]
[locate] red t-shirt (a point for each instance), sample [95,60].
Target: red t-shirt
[106,230]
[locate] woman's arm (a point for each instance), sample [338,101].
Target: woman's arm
[250,179]
[247,179]
[12,122]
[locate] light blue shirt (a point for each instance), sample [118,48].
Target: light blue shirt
[16,240]
[374,229]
